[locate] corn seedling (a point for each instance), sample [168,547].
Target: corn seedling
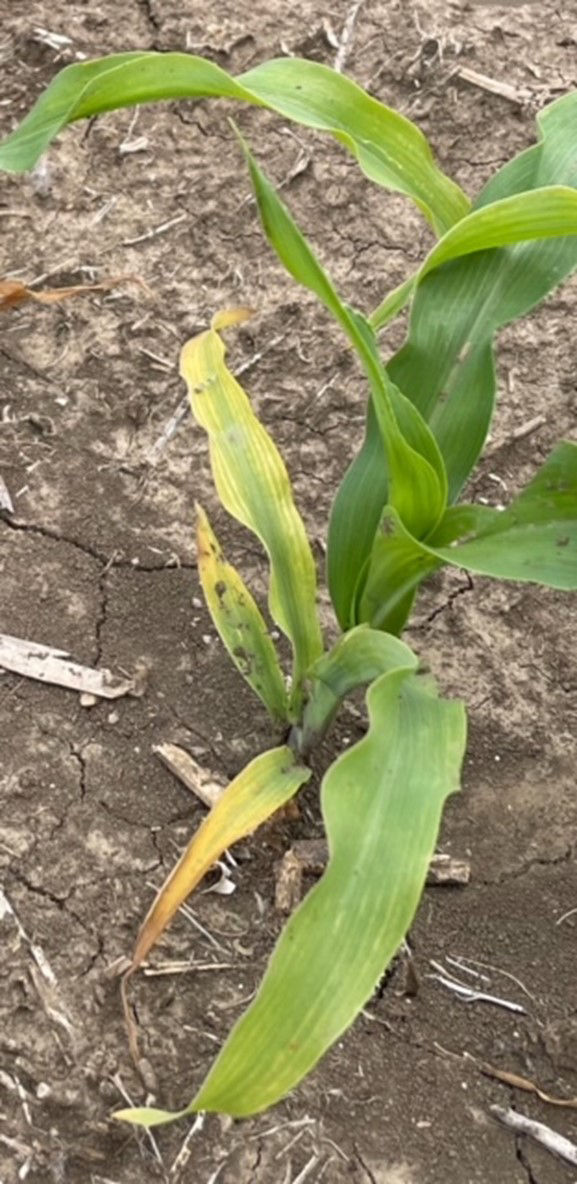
[396,518]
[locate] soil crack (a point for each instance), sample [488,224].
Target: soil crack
[523,1159]
[78,756]
[441,608]
[527,867]
[61,902]
[100,621]
[98,953]
[48,533]
[152,19]
[365,1166]
[39,889]
[110,562]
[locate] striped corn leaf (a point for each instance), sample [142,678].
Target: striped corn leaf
[269,781]
[253,485]
[239,621]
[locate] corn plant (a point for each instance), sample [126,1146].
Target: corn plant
[396,518]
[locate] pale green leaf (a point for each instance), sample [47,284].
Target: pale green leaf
[534,539]
[382,803]
[389,148]
[253,485]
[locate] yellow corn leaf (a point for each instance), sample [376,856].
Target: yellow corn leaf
[239,621]
[269,781]
[254,486]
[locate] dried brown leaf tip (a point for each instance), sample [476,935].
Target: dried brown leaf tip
[15,292]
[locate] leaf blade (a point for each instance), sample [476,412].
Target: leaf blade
[356,659]
[239,622]
[405,448]
[390,149]
[253,485]
[446,366]
[546,212]
[534,540]
[269,781]
[334,948]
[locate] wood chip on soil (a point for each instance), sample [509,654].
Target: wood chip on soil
[46,664]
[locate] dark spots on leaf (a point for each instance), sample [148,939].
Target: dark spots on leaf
[563,542]
[220,589]
[245,660]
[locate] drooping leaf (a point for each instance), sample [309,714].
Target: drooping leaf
[389,148]
[382,802]
[239,621]
[253,485]
[269,781]
[534,539]
[547,212]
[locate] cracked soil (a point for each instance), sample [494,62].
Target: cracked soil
[98,559]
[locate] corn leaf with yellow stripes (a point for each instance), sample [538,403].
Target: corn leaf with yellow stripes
[253,485]
[269,781]
[239,621]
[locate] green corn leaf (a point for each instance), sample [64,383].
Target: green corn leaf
[382,803]
[446,367]
[548,212]
[389,148]
[357,658]
[358,506]
[253,485]
[405,445]
[534,539]
[239,621]
[398,564]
